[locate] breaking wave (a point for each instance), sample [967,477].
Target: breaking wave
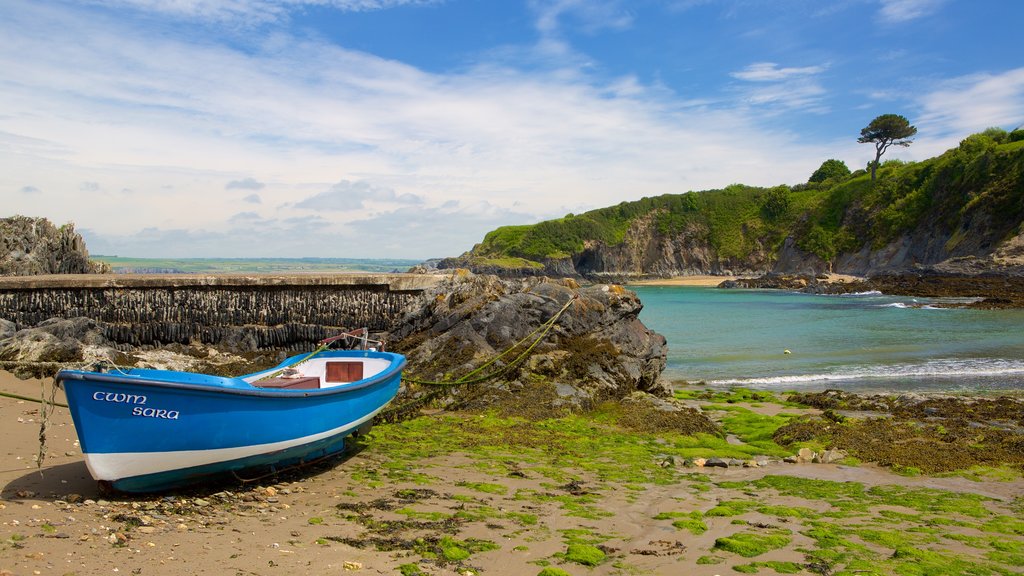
[961,369]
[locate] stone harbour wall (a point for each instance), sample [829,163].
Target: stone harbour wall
[248,312]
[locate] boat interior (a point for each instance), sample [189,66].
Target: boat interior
[320,373]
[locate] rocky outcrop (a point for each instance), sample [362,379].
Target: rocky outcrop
[596,350]
[32,246]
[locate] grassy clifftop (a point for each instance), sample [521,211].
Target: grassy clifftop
[971,198]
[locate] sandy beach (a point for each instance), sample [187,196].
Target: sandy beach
[711,281]
[697,280]
[397,506]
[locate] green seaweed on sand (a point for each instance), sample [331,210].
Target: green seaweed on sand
[778,567]
[757,430]
[411,570]
[728,508]
[584,554]
[552,571]
[481,513]
[487,487]
[751,544]
[581,505]
[734,396]
[547,447]
[583,546]
[692,521]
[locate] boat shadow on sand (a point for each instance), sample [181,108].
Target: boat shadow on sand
[73,480]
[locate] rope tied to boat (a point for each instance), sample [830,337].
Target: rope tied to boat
[46,407]
[538,335]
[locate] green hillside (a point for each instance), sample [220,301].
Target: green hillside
[981,180]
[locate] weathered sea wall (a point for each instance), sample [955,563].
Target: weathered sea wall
[244,311]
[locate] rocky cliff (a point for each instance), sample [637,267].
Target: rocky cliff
[33,246]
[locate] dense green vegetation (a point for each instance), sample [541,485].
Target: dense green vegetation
[835,212]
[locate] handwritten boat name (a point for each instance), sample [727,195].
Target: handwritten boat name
[155,413]
[138,401]
[119,397]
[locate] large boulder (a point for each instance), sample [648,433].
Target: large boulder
[597,349]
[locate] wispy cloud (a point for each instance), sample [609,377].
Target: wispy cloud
[973,103]
[780,89]
[591,16]
[897,11]
[29,190]
[771,72]
[253,199]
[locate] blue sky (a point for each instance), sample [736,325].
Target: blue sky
[408,129]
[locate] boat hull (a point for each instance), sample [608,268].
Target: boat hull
[151,430]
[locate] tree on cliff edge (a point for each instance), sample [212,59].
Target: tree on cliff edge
[884,131]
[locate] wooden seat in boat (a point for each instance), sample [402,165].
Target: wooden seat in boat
[344,372]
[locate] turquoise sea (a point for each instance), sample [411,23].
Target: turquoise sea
[863,342]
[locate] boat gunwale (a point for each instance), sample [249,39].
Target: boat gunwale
[395,368]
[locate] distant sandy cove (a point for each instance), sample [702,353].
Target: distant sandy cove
[697,280]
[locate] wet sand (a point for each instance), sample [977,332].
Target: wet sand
[56,521]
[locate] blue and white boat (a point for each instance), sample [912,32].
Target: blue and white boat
[146,430]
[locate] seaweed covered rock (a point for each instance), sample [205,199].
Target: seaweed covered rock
[647,413]
[32,246]
[929,433]
[596,349]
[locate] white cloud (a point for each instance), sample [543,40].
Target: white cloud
[897,11]
[770,72]
[29,190]
[973,103]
